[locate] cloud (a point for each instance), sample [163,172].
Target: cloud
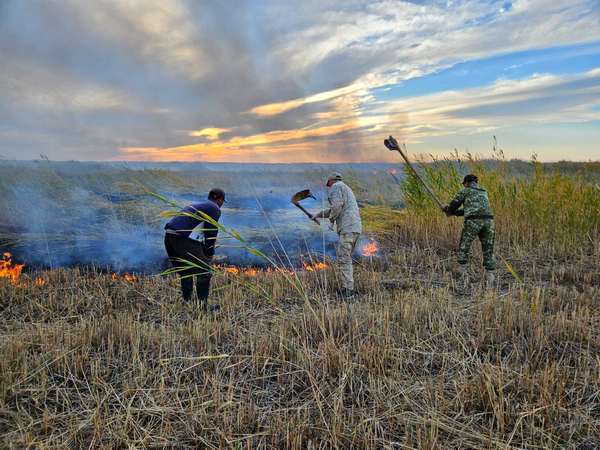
[538,99]
[264,79]
[269,142]
[160,31]
[386,42]
[29,86]
[210,133]
[281,107]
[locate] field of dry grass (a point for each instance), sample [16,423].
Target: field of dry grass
[88,361]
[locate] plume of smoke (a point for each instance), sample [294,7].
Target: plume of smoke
[63,219]
[79,229]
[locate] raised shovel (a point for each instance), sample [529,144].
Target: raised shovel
[392,145]
[298,197]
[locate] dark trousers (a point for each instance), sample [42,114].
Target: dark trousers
[192,252]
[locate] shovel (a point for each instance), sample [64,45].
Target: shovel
[392,145]
[298,197]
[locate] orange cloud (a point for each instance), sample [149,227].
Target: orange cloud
[273,109]
[311,143]
[301,145]
[210,133]
[300,152]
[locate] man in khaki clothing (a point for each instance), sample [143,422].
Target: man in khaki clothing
[344,213]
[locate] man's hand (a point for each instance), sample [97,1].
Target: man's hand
[446,211]
[320,215]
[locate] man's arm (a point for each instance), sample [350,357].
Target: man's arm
[323,214]
[453,207]
[336,201]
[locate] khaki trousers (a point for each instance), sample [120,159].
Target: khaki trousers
[345,248]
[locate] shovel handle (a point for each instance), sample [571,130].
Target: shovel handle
[415,173]
[307,213]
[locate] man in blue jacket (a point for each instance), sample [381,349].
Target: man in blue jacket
[191,256]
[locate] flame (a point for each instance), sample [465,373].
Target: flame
[314,267]
[233,270]
[253,271]
[39,281]
[370,249]
[125,277]
[10,270]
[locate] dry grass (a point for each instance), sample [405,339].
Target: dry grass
[86,361]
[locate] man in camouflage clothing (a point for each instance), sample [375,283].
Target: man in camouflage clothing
[344,213]
[479,223]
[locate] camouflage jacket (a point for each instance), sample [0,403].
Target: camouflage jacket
[475,202]
[343,210]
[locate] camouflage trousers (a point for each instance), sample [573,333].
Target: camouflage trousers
[345,248]
[484,230]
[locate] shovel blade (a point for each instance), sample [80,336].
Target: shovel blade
[391,144]
[298,196]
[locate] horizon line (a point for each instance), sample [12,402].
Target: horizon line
[285,163]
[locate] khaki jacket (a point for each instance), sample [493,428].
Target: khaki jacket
[343,210]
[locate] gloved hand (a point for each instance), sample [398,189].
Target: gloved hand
[446,211]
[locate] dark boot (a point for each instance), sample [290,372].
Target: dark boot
[206,307]
[347,294]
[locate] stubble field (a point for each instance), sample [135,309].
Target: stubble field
[91,360]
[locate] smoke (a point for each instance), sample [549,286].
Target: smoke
[271,224]
[79,228]
[75,214]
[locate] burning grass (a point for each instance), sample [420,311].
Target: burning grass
[369,249]
[10,270]
[260,271]
[129,278]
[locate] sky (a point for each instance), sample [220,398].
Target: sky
[310,81]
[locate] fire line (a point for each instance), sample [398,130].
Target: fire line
[10,270]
